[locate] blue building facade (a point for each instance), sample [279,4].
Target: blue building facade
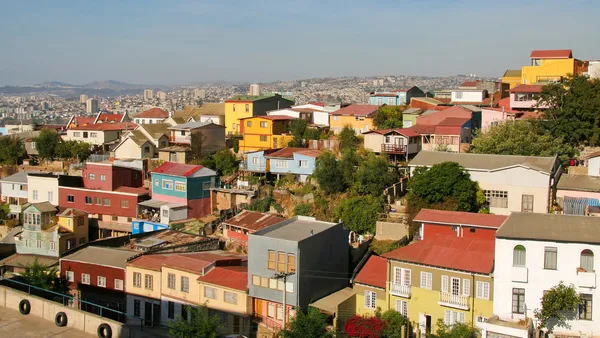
[396,97]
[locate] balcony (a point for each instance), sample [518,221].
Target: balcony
[586,279]
[186,139]
[256,167]
[393,148]
[455,301]
[400,290]
[519,274]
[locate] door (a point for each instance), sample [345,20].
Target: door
[527,203]
[148,313]
[173,157]
[427,324]
[155,314]
[455,286]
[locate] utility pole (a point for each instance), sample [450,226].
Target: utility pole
[284,276]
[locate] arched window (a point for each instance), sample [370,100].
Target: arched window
[587,260]
[519,256]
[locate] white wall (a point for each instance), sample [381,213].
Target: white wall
[13,190]
[321,118]
[539,279]
[216,119]
[149,120]
[99,138]
[468,96]
[46,187]
[284,112]
[594,166]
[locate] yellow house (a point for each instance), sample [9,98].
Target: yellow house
[75,222]
[265,132]
[370,287]
[512,77]
[551,66]
[244,106]
[143,288]
[356,116]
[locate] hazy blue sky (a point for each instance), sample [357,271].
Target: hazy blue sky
[174,42]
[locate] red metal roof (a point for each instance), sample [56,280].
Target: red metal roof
[450,126]
[459,218]
[233,277]
[437,117]
[81,120]
[177,169]
[153,113]
[469,84]
[132,190]
[357,110]
[524,88]
[504,103]
[104,117]
[458,253]
[289,152]
[107,126]
[192,262]
[271,117]
[551,54]
[408,132]
[373,273]
[423,129]
[151,262]
[253,220]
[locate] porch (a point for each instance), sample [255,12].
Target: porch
[390,148]
[161,211]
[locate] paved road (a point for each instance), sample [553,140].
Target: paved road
[14,324]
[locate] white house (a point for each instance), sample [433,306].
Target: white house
[143,142]
[99,134]
[313,114]
[401,141]
[151,116]
[14,191]
[535,252]
[44,188]
[468,95]
[510,183]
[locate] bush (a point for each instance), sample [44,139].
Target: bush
[360,214]
[303,209]
[364,327]
[261,204]
[383,246]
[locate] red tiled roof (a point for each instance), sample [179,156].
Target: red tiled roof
[524,88]
[233,277]
[271,117]
[459,218]
[107,126]
[81,120]
[373,273]
[253,220]
[322,104]
[153,113]
[423,129]
[552,54]
[450,126]
[289,152]
[444,251]
[402,131]
[504,103]
[469,84]
[177,169]
[132,190]
[357,110]
[109,118]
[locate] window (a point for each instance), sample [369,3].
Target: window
[527,203]
[263,138]
[291,263]
[391,101]
[33,145]
[230,297]
[171,281]
[170,310]
[255,160]
[210,293]
[70,243]
[280,261]
[35,195]
[585,306]
[370,299]
[82,240]
[458,95]
[586,260]
[50,196]
[496,198]
[165,213]
[289,287]
[233,110]
[102,177]
[233,126]
[388,139]
[279,312]
[156,182]
[93,134]
[379,101]
[426,278]
[146,149]
[148,281]
[303,163]
[38,243]
[402,307]
[402,276]
[483,290]
[255,280]
[53,246]
[550,256]
[185,284]
[180,186]
[466,287]
[271,263]
[77,134]
[249,123]
[264,282]
[70,198]
[335,117]
[97,201]
[70,276]
[106,202]
[263,124]
[445,281]
[136,307]
[519,256]
[114,218]
[118,284]
[271,310]
[85,278]
[124,204]
[273,283]
[184,311]
[455,286]
[88,200]
[518,300]
[281,164]
[167,184]
[453,317]
[101,281]
[247,107]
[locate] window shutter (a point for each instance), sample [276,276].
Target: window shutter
[447,317]
[461,317]
[486,290]
[466,287]
[444,283]
[367,298]
[423,280]
[407,277]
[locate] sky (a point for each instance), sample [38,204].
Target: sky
[184,41]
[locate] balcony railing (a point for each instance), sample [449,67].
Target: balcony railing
[586,279]
[266,321]
[455,301]
[400,290]
[393,148]
[180,139]
[261,167]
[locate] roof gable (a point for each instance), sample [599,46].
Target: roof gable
[373,273]
[551,54]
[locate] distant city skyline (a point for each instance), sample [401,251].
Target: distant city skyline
[181,42]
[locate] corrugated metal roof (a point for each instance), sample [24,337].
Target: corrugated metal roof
[373,273]
[459,218]
[253,220]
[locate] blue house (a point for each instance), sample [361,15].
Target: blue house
[179,191]
[296,161]
[395,97]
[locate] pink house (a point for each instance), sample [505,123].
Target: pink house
[237,228]
[524,97]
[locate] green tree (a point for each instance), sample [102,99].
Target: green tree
[311,323]
[43,276]
[73,150]
[298,129]
[458,330]
[12,149]
[328,173]
[225,162]
[347,138]
[313,134]
[521,137]
[200,324]
[373,175]
[394,323]
[361,213]
[303,209]
[559,304]
[573,107]
[46,143]
[261,204]
[388,117]
[348,165]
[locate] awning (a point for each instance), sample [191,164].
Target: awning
[330,303]
[152,203]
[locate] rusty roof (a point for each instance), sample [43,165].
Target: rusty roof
[459,218]
[253,220]
[373,273]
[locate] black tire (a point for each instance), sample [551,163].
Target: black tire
[61,319]
[104,331]
[24,307]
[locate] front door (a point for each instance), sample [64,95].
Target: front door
[428,324]
[173,157]
[148,313]
[155,314]
[527,203]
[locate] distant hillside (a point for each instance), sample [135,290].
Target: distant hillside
[51,84]
[111,84]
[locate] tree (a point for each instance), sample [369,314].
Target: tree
[328,173]
[73,150]
[361,213]
[458,330]
[12,150]
[307,324]
[347,138]
[348,165]
[199,325]
[373,175]
[365,327]
[225,162]
[559,304]
[572,110]
[43,276]
[261,204]
[46,143]
[394,323]
[521,137]
[298,129]
[388,117]
[197,140]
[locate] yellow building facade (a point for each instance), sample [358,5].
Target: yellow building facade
[512,77]
[265,132]
[546,66]
[244,106]
[357,116]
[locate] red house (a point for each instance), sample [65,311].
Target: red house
[106,176]
[237,228]
[458,224]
